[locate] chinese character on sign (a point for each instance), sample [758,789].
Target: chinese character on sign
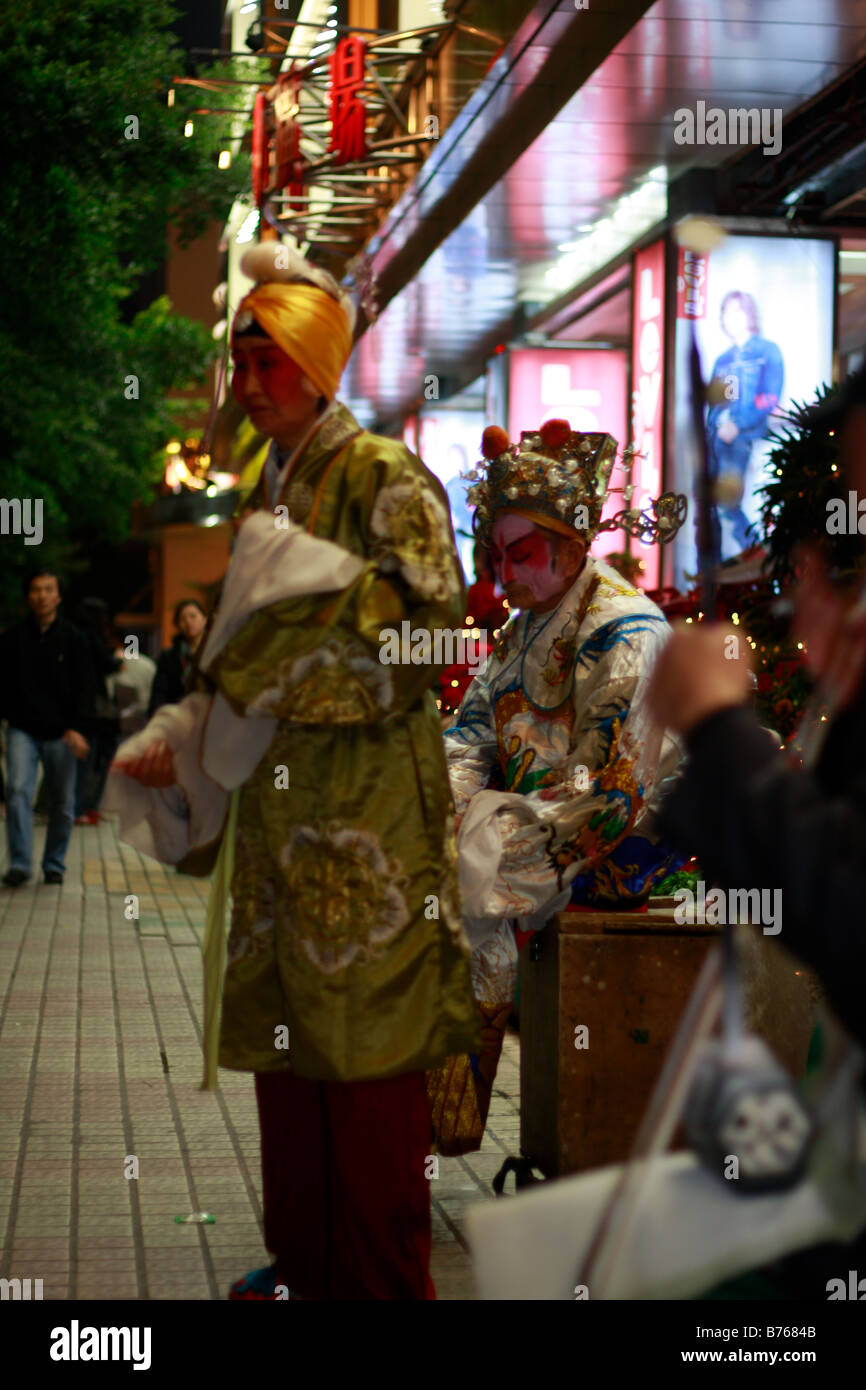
[348,114]
[290,162]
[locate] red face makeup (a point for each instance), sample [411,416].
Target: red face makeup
[266,383]
[524,561]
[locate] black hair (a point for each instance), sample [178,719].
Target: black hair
[93,615]
[187,603]
[43,572]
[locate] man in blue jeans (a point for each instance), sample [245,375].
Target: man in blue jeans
[46,695]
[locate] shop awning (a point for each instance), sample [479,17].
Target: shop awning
[575,116]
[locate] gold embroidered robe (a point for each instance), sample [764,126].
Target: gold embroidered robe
[346,927]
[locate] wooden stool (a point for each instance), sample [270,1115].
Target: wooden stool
[625,977]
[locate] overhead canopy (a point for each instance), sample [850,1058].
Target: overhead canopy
[577,115]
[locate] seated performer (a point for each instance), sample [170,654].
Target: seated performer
[348,969]
[554,762]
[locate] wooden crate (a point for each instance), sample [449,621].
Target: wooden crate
[626,977]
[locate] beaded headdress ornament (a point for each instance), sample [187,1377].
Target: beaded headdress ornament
[560,478]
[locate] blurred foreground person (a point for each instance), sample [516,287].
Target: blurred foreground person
[175,663]
[754,819]
[348,969]
[46,694]
[552,760]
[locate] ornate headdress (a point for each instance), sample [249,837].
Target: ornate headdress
[560,479]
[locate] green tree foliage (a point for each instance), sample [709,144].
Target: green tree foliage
[96,168]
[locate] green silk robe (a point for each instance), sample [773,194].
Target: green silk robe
[346,928]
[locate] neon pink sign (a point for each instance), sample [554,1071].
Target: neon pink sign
[647,399]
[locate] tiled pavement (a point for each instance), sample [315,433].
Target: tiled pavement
[100,1062]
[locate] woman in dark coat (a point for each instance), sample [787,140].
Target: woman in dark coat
[175,662]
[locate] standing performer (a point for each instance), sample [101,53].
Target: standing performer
[554,763]
[348,969]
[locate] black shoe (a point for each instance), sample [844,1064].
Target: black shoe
[53,876]
[15,877]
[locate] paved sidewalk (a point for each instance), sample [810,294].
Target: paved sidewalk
[100,1059]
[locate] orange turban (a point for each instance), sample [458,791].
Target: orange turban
[310,327]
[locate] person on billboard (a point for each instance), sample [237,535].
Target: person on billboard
[554,768]
[748,382]
[348,968]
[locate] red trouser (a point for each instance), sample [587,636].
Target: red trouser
[346,1199]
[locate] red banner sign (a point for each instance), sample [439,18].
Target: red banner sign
[647,368]
[348,112]
[260,148]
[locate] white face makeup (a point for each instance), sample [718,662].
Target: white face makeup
[525,561]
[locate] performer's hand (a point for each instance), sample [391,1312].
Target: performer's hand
[701,670]
[831,628]
[152,768]
[727,431]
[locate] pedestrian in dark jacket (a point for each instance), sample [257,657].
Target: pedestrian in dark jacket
[46,695]
[175,662]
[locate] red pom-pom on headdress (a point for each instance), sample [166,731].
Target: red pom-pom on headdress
[494,441]
[555,433]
